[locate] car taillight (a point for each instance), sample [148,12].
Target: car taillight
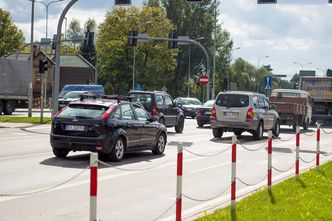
[154,111]
[213,113]
[199,112]
[107,113]
[250,115]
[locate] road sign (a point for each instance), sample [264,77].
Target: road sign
[268,82]
[138,87]
[203,80]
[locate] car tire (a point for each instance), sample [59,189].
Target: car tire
[162,121]
[193,117]
[305,125]
[9,108]
[179,127]
[276,129]
[258,133]
[238,133]
[295,123]
[1,107]
[217,132]
[160,146]
[118,150]
[200,124]
[61,153]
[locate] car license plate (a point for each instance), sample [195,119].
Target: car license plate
[74,127]
[231,114]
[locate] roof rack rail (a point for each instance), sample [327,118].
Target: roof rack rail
[118,97]
[89,95]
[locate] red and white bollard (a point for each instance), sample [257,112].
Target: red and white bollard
[179,183]
[317,146]
[233,179]
[269,161]
[297,162]
[93,186]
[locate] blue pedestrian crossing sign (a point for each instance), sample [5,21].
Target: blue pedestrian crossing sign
[268,82]
[138,87]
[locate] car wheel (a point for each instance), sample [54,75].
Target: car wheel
[9,108]
[179,127]
[305,125]
[61,153]
[258,133]
[295,123]
[276,129]
[162,121]
[118,150]
[217,132]
[1,107]
[200,124]
[161,143]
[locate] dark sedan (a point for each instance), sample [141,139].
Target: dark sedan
[109,126]
[203,113]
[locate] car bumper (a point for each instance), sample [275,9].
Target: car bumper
[191,113]
[203,119]
[235,125]
[79,143]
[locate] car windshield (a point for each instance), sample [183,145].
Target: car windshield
[83,111]
[232,100]
[190,101]
[73,94]
[208,103]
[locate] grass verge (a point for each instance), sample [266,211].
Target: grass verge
[31,120]
[310,198]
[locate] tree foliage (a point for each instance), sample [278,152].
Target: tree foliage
[154,61]
[11,37]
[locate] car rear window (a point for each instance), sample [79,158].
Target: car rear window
[142,98]
[83,111]
[232,100]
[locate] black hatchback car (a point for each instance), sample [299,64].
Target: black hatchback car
[111,126]
[160,105]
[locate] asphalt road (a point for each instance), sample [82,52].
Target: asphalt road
[142,186]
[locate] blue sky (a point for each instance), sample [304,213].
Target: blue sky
[290,31]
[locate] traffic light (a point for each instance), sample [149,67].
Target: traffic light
[172,44]
[122,2]
[42,65]
[266,1]
[132,41]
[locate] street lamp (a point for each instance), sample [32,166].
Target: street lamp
[46,6]
[266,56]
[189,61]
[302,65]
[228,71]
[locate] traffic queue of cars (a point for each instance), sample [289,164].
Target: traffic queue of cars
[115,125]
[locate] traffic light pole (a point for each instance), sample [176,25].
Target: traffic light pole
[190,41]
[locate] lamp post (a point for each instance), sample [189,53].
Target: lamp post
[189,61]
[301,64]
[228,85]
[46,6]
[266,56]
[31,59]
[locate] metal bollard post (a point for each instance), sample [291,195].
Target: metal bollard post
[93,186]
[317,146]
[269,161]
[297,162]
[233,181]
[179,183]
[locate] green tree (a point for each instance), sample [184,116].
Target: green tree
[198,21]
[74,28]
[11,37]
[154,64]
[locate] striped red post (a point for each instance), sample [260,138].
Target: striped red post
[179,183]
[317,146]
[233,181]
[297,162]
[269,161]
[93,186]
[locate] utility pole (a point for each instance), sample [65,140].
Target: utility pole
[31,60]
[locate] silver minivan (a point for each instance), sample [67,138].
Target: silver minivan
[239,111]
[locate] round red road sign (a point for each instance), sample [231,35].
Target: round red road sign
[203,80]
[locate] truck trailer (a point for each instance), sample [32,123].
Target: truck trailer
[320,90]
[15,78]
